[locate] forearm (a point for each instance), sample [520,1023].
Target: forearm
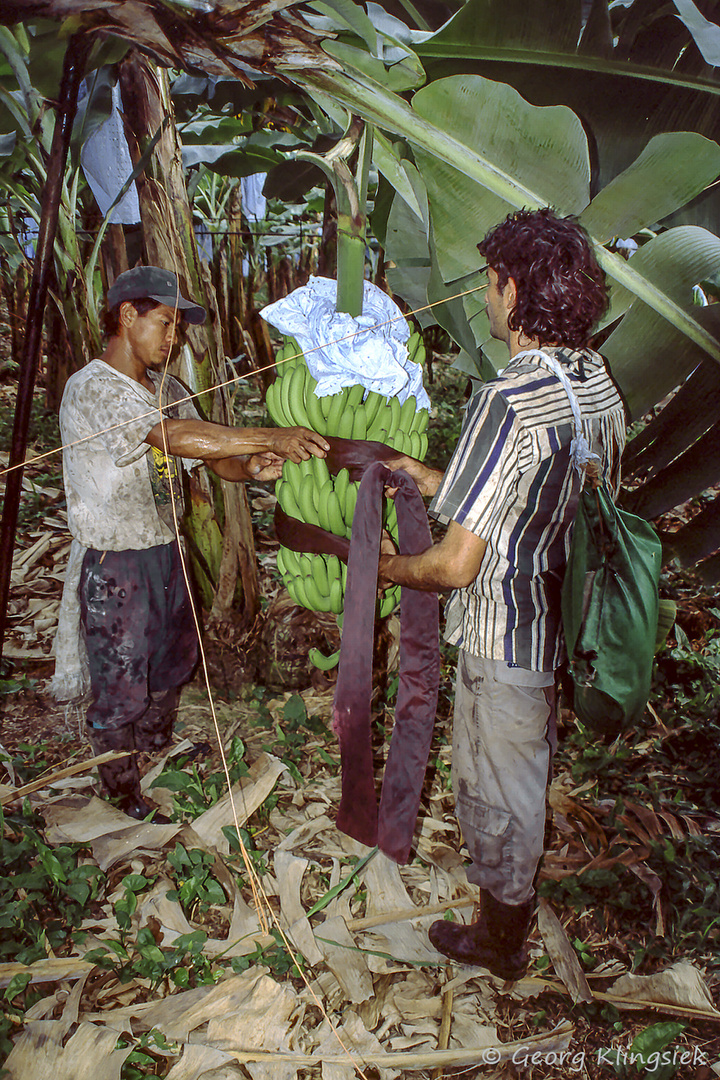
[213,442]
[210,442]
[425,571]
[452,564]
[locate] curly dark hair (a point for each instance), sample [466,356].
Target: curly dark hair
[561,290]
[110,317]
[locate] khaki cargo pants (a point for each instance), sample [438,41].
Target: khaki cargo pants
[503,742]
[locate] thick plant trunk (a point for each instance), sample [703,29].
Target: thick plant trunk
[73,70]
[169,241]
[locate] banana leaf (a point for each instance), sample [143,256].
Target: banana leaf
[698,539]
[688,415]
[693,472]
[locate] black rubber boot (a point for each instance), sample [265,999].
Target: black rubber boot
[121,778]
[496,941]
[153,731]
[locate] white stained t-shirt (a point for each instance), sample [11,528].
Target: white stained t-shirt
[118,487]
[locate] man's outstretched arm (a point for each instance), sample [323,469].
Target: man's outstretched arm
[214,443]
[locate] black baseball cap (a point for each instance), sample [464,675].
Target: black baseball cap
[153,283]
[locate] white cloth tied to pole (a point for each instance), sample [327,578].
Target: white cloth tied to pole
[71,681]
[106,162]
[341,350]
[254,203]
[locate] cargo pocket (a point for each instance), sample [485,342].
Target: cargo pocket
[486,830]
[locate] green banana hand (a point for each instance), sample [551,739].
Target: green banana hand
[324,663]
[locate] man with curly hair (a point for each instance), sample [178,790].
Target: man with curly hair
[508,498]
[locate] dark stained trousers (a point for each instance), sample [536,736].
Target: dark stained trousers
[136,617]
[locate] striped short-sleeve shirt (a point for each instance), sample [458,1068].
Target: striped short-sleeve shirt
[511,482]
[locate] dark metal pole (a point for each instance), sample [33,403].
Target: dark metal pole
[73,72]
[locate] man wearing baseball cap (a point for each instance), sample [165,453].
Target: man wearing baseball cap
[127,430]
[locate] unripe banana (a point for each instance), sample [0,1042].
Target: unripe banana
[381,420]
[349,509]
[336,596]
[355,395]
[389,602]
[316,601]
[320,470]
[325,406]
[306,566]
[407,412]
[292,561]
[300,592]
[293,475]
[390,516]
[420,421]
[270,402]
[345,424]
[287,500]
[296,396]
[292,346]
[333,568]
[320,575]
[306,500]
[372,403]
[359,427]
[339,402]
[316,420]
[322,662]
[415,444]
[415,346]
[285,381]
[403,442]
[336,518]
[395,409]
[290,585]
[342,480]
[274,403]
[322,507]
[302,468]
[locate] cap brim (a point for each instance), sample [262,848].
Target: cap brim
[192,313]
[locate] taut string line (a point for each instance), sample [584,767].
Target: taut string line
[238,379]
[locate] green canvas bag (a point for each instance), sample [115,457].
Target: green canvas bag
[610,604]
[610,611]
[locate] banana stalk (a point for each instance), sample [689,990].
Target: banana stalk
[307,491]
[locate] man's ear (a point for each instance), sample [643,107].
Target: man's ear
[127,314]
[510,293]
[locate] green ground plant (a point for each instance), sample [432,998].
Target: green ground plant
[44,892]
[194,792]
[666,767]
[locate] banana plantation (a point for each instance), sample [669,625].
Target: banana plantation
[318,177]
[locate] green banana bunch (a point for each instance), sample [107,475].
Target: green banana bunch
[307,490]
[416,348]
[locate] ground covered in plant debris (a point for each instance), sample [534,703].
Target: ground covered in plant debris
[164,950]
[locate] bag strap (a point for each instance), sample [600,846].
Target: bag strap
[583,458]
